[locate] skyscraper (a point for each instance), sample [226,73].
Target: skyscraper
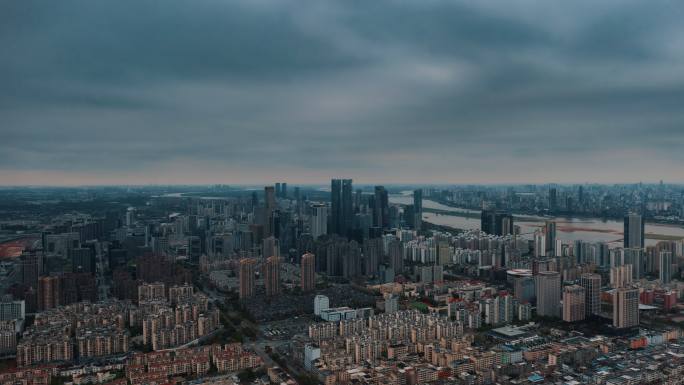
[625,308]
[272,275]
[347,207]
[574,307]
[341,207]
[335,206]
[550,237]
[621,276]
[635,257]
[372,255]
[539,244]
[82,260]
[418,209]
[270,247]
[381,208]
[505,221]
[246,276]
[319,220]
[548,292]
[496,222]
[396,256]
[270,202]
[30,264]
[487,221]
[592,291]
[308,275]
[634,231]
[553,199]
[523,289]
[49,292]
[665,270]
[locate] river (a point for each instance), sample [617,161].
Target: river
[567,229]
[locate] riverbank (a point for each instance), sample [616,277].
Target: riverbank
[526,216]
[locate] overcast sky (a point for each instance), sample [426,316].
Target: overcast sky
[254,91]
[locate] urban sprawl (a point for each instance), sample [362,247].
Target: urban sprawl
[342,284]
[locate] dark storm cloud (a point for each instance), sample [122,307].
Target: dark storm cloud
[433,91]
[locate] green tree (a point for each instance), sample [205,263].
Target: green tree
[247,375]
[308,379]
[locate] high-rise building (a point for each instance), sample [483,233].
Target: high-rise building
[347,206]
[548,292]
[396,256]
[592,291]
[665,270]
[11,309]
[82,260]
[272,275]
[8,338]
[620,276]
[150,292]
[372,255]
[496,222]
[308,275]
[160,245]
[506,224]
[336,219]
[391,303]
[635,257]
[418,209]
[270,247]
[625,308]
[49,292]
[181,293]
[539,244]
[76,287]
[246,276]
[321,303]
[130,216]
[553,199]
[574,306]
[381,208]
[194,248]
[498,310]
[319,220]
[550,238]
[634,231]
[350,256]
[443,253]
[341,207]
[523,289]
[270,202]
[30,265]
[255,199]
[487,221]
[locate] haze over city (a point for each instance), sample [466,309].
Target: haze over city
[358,192]
[138,92]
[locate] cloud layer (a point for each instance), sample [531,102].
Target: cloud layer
[218,91]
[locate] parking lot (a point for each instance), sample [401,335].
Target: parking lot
[285,329]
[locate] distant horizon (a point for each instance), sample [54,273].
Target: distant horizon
[327,184]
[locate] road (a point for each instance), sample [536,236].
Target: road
[259,344]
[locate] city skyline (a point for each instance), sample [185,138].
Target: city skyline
[384,92]
[386,192]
